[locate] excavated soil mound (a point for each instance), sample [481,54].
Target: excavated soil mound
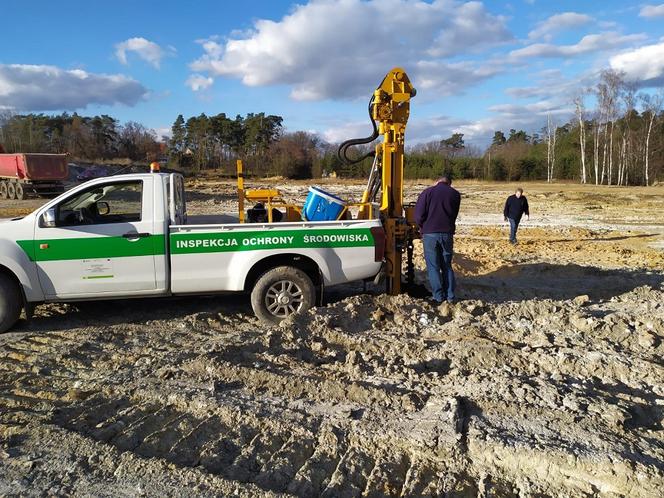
[368,396]
[546,379]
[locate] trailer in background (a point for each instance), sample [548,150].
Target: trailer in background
[24,175]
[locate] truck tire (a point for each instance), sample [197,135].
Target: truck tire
[10,303]
[11,190]
[281,292]
[19,191]
[3,190]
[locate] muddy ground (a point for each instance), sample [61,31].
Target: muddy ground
[546,379]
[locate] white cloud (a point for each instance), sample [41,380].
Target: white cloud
[211,46]
[652,11]
[558,22]
[607,24]
[529,117]
[644,65]
[338,49]
[552,84]
[48,88]
[163,131]
[420,129]
[199,82]
[145,49]
[441,79]
[541,108]
[587,44]
[346,130]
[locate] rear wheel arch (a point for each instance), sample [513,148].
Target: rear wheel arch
[282,292]
[299,261]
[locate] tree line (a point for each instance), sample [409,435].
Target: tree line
[85,138]
[216,142]
[621,141]
[615,137]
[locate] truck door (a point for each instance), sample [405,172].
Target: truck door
[99,242]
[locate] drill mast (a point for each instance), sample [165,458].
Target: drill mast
[389,108]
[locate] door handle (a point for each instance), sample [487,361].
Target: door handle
[135,235]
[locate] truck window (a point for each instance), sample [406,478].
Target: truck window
[110,203]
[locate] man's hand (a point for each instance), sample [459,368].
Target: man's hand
[527,217]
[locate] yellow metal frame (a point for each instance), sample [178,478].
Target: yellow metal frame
[364,207]
[271,198]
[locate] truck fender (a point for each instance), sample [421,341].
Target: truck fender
[16,262]
[240,280]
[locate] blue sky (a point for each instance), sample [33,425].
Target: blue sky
[478,66]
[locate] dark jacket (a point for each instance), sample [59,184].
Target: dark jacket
[437,209]
[515,207]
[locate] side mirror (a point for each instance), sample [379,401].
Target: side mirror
[103,208]
[48,218]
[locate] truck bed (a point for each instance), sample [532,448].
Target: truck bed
[211,219]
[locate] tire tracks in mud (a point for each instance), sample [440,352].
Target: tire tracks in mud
[306,461]
[300,450]
[312,409]
[308,456]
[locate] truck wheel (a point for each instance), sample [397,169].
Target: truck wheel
[19,191]
[11,190]
[3,190]
[281,292]
[10,303]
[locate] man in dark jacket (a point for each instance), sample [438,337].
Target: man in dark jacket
[516,206]
[436,213]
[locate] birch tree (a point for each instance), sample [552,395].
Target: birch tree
[600,93]
[580,111]
[614,84]
[629,102]
[551,129]
[651,107]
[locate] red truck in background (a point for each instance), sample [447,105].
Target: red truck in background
[32,174]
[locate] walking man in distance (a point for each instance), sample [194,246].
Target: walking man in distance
[436,213]
[516,206]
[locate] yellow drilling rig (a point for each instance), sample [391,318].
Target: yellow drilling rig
[389,109]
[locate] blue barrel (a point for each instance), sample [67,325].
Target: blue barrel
[322,206]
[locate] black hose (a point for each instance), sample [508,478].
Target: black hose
[343,148]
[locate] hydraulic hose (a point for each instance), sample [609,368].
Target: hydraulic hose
[343,148]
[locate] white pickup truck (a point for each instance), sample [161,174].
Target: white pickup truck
[128,236]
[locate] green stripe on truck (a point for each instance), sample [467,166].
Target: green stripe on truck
[192,243]
[188,243]
[92,248]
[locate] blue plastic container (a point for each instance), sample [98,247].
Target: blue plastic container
[322,206]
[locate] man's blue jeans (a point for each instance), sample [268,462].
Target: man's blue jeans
[438,252]
[514,224]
